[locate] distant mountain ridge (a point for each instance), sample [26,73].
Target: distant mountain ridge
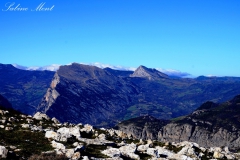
[103,97]
[55,67]
[24,89]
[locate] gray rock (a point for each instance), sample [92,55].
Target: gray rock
[8,128]
[76,156]
[64,133]
[25,125]
[79,147]
[40,116]
[57,145]
[129,151]
[102,137]
[112,152]
[143,148]
[3,152]
[3,121]
[87,128]
[69,153]
[51,134]
[185,132]
[2,112]
[55,120]
[36,128]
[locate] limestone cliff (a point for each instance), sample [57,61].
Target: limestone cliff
[210,125]
[87,94]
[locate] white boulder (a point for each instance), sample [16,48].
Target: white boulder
[69,153]
[3,152]
[64,133]
[87,128]
[57,145]
[129,151]
[51,134]
[112,152]
[143,148]
[40,116]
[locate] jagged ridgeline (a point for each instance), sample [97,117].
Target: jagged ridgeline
[103,97]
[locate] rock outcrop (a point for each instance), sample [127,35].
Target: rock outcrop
[149,73]
[144,127]
[175,132]
[210,125]
[87,94]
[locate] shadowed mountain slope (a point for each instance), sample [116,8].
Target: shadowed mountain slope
[81,93]
[4,103]
[103,97]
[24,89]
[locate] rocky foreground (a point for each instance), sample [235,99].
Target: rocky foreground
[39,137]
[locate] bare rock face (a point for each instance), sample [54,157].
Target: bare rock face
[86,94]
[151,74]
[144,127]
[210,125]
[3,152]
[219,137]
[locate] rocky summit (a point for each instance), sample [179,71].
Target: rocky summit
[41,137]
[150,74]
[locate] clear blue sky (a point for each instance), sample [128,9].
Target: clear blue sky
[200,37]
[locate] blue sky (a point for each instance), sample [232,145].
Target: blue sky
[201,37]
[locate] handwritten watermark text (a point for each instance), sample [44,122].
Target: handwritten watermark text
[12,6]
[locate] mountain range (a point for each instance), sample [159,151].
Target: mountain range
[103,97]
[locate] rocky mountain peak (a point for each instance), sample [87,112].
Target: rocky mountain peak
[149,73]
